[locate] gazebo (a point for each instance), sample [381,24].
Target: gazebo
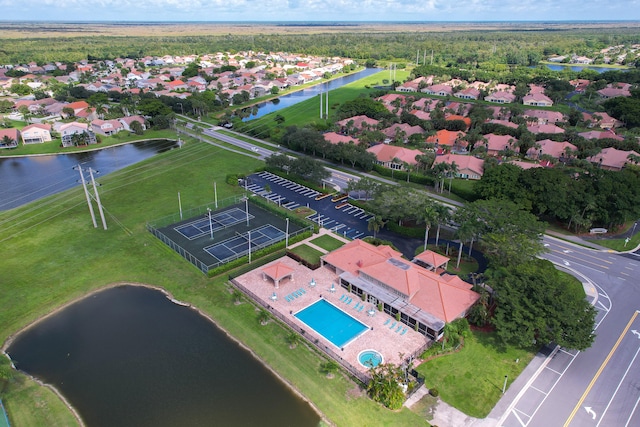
[431,260]
[277,272]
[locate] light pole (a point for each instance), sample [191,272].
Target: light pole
[286,235]
[210,225]
[504,386]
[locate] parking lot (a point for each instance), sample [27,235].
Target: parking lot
[349,221]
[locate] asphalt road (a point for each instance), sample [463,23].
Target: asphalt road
[599,386]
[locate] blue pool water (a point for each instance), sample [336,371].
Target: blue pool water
[331,322]
[370,358]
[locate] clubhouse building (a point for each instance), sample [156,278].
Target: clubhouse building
[419,291]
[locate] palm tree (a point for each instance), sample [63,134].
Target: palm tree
[453,170]
[329,368]
[443,215]
[263,317]
[293,339]
[430,215]
[375,224]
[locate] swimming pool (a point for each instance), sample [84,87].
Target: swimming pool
[332,323]
[370,358]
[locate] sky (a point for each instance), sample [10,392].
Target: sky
[319,10]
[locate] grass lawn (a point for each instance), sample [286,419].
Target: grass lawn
[471,380]
[309,254]
[52,255]
[327,242]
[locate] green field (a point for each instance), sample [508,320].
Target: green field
[52,255]
[327,242]
[307,253]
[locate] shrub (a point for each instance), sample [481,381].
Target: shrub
[434,392]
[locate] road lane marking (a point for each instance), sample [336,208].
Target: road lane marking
[618,387]
[582,260]
[597,375]
[632,412]
[539,391]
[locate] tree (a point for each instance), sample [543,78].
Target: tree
[263,317]
[430,216]
[329,368]
[375,224]
[538,304]
[136,127]
[384,386]
[293,338]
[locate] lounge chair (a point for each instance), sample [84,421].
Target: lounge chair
[355,307]
[342,298]
[361,307]
[349,301]
[386,322]
[303,291]
[399,327]
[393,325]
[404,331]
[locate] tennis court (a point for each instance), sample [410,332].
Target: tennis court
[218,221]
[238,245]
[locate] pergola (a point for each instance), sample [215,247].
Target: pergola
[277,272]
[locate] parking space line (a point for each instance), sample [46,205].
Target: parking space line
[553,370]
[538,390]
[522,423]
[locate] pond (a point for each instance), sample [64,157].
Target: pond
[25,179]
[302,95]
[601,70]
[128,356]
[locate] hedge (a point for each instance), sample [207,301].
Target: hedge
[402,176]
[283,213]
[298,180]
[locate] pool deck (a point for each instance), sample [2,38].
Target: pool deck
[380,337]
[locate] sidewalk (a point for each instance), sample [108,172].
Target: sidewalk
[577,240]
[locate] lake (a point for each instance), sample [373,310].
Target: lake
[128,356]
[25,179]
[555,67]
[304,94]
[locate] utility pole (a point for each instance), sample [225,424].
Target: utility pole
[321,105]
[86,193]
[95,190]
[180,205]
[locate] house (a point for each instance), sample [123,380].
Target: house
[106,127]
[468,167]
[414,85]
[500,97]
[525,165]
[552,129]
[419,297]
[613,92]
[336,138]
[602,120]
[497,143]
[126,122]
[505,123]
[9,138]
[438,89]
[447,138]
[69,130]
[77,107]
[468,93]
[543,117]
[358,122]
[607,134]
[394,157]
[466,120]
[613,159]
[36,133]
[557,150]
[537,99]
[402,131]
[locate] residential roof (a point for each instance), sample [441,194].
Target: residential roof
[336,138]
[612,158]
[464,162]
[386,153]
[551,148]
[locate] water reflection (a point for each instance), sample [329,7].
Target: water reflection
[31,178]
[127,356]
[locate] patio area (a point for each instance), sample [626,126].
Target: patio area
[385,334]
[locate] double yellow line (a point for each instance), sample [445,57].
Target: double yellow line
[595,378]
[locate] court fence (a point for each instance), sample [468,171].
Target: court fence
[257,250]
